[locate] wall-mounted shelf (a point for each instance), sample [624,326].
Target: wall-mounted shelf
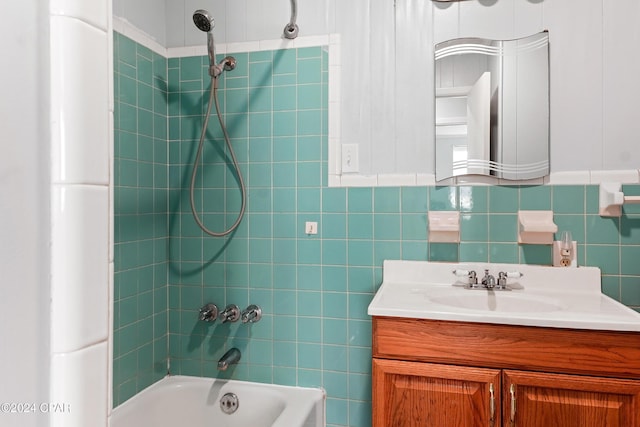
[612,198]
[536,227]
[444,226]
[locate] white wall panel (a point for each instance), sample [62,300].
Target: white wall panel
[575,59]
[236,26]
[148,15]
[175,24]
[266,19]
[383,63]
[414,104]
[621,84]
[488,19]
[353,20]
[315,17]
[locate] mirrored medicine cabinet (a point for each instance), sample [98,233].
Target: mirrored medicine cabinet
[492,107]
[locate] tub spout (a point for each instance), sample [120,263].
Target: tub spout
[231,357]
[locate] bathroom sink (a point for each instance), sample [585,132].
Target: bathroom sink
[538,296]
[497,301]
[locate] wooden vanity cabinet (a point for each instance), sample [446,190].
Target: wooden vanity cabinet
[453,374]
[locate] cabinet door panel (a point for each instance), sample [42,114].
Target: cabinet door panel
[544,400]
[413,394]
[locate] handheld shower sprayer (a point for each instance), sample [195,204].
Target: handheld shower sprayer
[205,22]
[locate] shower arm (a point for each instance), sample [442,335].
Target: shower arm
[291,29]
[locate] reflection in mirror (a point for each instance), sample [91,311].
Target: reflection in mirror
[492,107]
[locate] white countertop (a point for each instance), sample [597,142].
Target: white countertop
[544,296]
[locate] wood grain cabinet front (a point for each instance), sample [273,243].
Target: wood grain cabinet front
[435,386]
[543,400]
[415,394]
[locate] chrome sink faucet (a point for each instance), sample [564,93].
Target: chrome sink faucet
[502,280]
[473,279]
[488,281]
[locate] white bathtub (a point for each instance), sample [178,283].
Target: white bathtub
[177,401]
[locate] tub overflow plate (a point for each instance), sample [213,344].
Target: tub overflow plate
[229,403]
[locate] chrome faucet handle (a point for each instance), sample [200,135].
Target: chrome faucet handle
[504,275]
[513,274]
[231,313]
[251,314]
[472,278]
[502,280]
[491,282]
[208,312]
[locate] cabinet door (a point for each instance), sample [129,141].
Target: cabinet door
[545,400]
[413,394]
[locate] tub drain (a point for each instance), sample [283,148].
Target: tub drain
[229,403]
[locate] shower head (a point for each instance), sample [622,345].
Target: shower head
[203,20]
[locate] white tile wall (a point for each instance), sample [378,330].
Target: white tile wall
[79,108]
[79,381]
[80,229]
[81,111]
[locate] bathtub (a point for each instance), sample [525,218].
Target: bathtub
[196,402]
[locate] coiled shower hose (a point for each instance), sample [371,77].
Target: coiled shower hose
[213,96]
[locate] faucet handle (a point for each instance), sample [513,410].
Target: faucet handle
[470,274]
[502,278]
[251,314]
[231,313]
[208,312]
[513,274]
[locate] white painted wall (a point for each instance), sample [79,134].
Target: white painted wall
[24,228]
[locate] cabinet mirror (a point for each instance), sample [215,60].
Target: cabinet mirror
[492,107]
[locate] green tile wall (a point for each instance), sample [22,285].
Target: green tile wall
[141,223]
[315,289]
